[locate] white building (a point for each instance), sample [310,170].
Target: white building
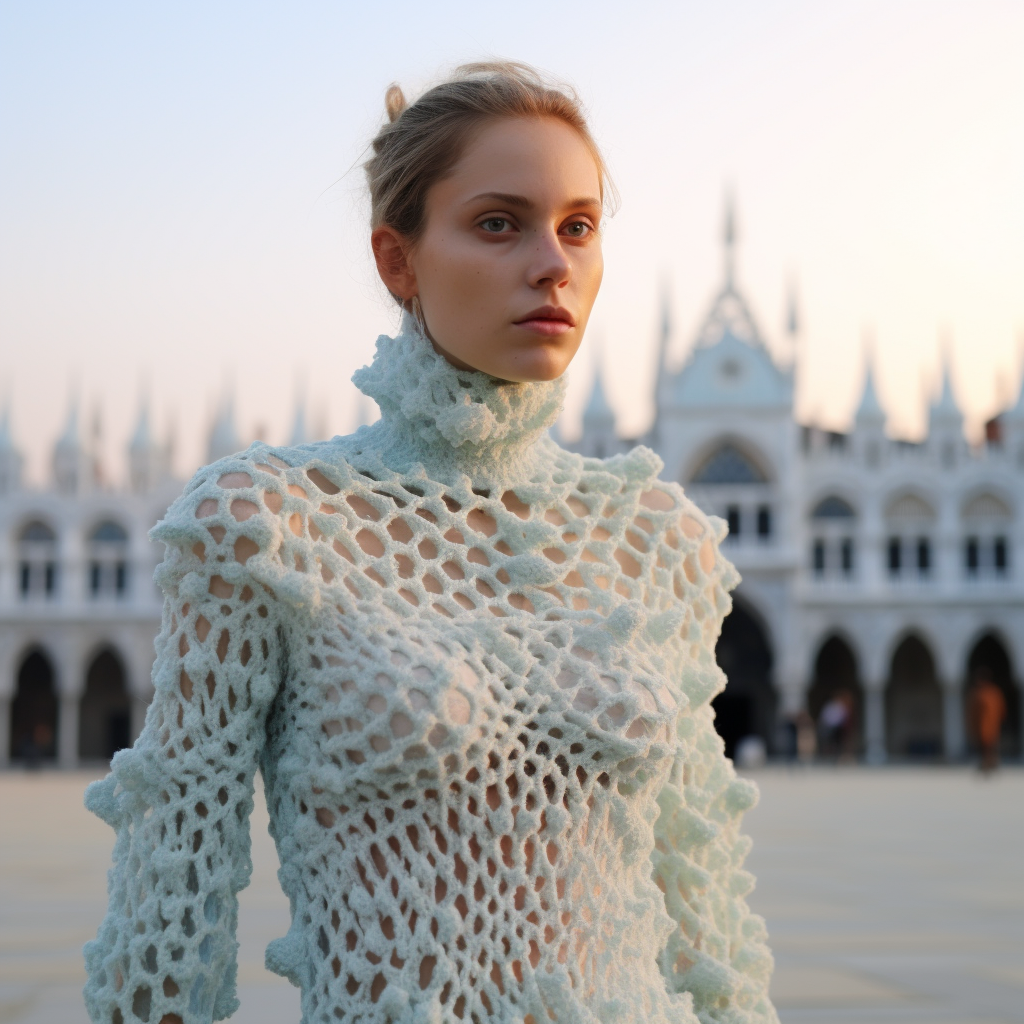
[78,606]
[885,570]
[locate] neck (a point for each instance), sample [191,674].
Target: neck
[452,420]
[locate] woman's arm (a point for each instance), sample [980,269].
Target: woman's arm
[180,799]
[718,951]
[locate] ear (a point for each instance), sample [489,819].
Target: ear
[391,253]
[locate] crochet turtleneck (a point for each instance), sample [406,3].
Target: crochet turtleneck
[475,672]
[465,421]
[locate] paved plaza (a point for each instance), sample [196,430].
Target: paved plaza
[892,896]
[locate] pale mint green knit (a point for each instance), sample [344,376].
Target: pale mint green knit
[475,672]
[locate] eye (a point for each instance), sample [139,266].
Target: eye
[578,229]
[496,225]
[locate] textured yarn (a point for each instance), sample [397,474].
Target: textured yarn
[475,672]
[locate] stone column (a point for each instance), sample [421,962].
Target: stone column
[67,730]
[953,733]
[5,730]
[874,724]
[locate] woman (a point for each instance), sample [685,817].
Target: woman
[474,669]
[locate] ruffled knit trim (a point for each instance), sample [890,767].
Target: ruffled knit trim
[465,409]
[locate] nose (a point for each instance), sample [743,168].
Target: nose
[549,266]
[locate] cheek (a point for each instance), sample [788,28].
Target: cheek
[590,271]
[455,270]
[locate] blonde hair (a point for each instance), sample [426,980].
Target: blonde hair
[421,142]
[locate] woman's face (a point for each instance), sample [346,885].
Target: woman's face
[509,263]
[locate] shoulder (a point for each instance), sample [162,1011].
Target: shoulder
[235,512]
[305,522]
[634,478]
[658,519]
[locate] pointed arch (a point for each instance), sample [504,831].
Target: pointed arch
[33,729]
[748,704]
[104,717]
[989,655]
[913,702]
[910,504]
[833,506]
[729,460]
[836,686]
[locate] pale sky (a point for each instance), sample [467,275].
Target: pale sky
[182,211]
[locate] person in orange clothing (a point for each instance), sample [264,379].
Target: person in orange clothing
[987,711]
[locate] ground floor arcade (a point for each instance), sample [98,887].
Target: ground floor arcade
[903,687]
[72,696]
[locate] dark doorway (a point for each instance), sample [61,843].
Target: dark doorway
[104,719]
[836,685]
[34,712]
[747,705]
[990,655]
[913,704]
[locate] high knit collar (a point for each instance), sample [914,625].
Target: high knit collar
[444,417]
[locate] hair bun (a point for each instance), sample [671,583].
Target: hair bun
[394,101]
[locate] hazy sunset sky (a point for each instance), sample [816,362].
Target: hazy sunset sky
[182,210]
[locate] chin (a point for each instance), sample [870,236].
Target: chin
[537,365]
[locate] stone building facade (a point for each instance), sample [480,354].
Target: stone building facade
[882,572]
[78,605]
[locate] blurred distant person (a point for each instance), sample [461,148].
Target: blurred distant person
[37,745]
[987,709]
[836,724]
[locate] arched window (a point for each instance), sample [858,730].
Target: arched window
[108,560]
[910,520]
[987,506]
[833,507]
[909,506]
[37,561]
[729,465]
[109,531]
[986,544]
[832,548]
[37,531]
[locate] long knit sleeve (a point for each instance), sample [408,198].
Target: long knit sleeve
[180,799]
[717,950]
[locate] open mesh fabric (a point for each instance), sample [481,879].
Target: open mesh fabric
[475,672]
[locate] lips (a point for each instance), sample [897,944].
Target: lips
[551,314]
[547,322]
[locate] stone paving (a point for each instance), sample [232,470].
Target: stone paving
[893,897]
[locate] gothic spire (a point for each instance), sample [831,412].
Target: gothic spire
[299,433]
[223,437]
[664,329]
[792,313]
[946,406]
[74,468]
[598,409]
[729,239]
[148,461]
[870,408]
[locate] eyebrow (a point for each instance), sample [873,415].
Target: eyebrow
[510,199]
